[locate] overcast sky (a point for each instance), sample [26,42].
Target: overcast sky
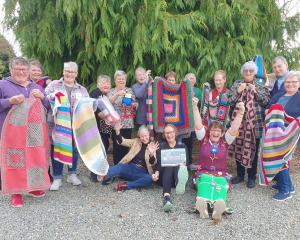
[9,35]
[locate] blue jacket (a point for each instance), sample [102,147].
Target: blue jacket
[292,108]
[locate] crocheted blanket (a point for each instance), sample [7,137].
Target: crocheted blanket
[243,148]
[87,136]
[25,143]
[278,143]
[62,132]
[214,108]
[171,103]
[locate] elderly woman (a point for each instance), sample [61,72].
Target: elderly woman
[14,90]
[171,170]
[212,178]
[136,165]
[123,100]
[36,74]
[191,77]
[290,100]
[140,91]
[215,106]
[103,88]
[72,91]
[255,97]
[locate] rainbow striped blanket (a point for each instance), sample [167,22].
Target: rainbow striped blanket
[62,132]
[171,103]
[87,136]
[278,143]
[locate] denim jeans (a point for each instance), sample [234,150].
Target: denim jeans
[58,167]
[137,177]
[284,181]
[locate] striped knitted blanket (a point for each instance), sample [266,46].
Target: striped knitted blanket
[62,132]
[24,158]
[278,143]
[171,103]
[87,136]
[214,108]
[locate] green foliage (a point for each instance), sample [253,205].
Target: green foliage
[6,53]
[185,36]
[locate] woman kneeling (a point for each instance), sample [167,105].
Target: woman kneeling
[212,178]
[136,166]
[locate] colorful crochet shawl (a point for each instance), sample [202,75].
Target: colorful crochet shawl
[243,148]
[278,143]
[87,136]
[62,132]
[214,109]
[25,143]
[171,103]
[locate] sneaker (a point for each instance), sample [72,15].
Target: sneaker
[72,178]
[275,186]
[282,196]
[37,194]
[251,183]
[94,177]
[237,180]
[183,176]
[56,184]
[201,206]
[16,200]
[167,204]
[121,186]
[219,209]
[292,190]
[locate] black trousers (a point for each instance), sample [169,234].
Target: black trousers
[168,178]
[250,171]
[119,151]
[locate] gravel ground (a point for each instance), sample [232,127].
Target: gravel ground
[91,211]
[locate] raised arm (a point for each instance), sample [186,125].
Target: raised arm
[236,123]
[197,117]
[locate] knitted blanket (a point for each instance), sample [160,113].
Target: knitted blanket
[25,143]
[171,103]
[214,109]
[149,113]
[243,148]
[278,143]
[62,132]
[87,136]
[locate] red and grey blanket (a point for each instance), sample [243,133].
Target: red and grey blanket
[24,154]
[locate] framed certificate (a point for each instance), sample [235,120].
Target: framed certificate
[173,157]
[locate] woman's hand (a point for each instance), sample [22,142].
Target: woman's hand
[195,102]
[121,93]
[118,126]
[153,147]
[241,88]
[15,100]
[241,107]
[155,176]
[252,86]
[37,94]
[101,115]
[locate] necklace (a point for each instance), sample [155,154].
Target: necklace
[214,149]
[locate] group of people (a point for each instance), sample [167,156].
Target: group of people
[229,123]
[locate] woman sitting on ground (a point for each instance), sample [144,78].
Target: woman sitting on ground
[171,166]
[212,178]
[136,166]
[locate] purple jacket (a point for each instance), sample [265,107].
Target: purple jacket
[8,89]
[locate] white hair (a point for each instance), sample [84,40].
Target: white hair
[141,129]
[190,75]
[292,74]
[249,66]
[103,78]
[280,58]
[71,65]
[120,73]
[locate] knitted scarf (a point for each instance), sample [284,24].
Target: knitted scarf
[25,144]
[62,132]
[87,136]
[243,148]
[278,143]
[171,103]
[214,109]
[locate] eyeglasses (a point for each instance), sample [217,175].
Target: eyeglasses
[20,69]
[291,82]
[215,130]
[69,71]
[167,133]
[249,70]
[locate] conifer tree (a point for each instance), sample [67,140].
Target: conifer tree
[197,36]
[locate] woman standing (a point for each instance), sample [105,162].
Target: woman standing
[103,88]
[123,100]
[255,97]
[69,89]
